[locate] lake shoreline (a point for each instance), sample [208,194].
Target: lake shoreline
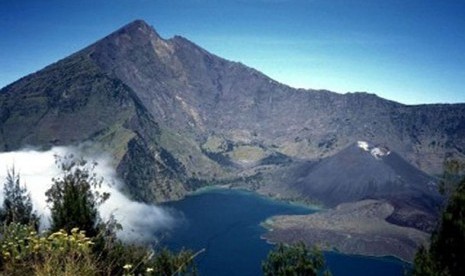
[358,228]
[229,224]
[294,202]
[267,224]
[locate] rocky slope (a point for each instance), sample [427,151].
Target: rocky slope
[356,173]
[175,117]
[352,228]
[73,101]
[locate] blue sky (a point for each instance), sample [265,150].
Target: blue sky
[410,51]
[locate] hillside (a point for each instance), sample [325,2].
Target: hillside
[176,117]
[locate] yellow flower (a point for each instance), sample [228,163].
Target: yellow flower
[127,266]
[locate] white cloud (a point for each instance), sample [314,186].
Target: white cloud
[140,221]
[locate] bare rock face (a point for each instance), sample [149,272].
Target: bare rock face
[177,117]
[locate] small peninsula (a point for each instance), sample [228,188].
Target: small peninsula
[350,228]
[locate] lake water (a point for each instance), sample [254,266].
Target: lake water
[226,223]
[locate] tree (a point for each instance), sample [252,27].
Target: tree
[80,243]
[446,252]
[17,204]
[74,197]
[294,260]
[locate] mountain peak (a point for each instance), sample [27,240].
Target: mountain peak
[376,151]
[138,32]
[139,23]
[130,42]
[138,28]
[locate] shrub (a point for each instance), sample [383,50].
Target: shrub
[295,260]
[17,204]
[25,252]
[446,252]
[74,197]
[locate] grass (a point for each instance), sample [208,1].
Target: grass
[247,154]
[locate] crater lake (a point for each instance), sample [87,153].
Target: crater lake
[226,224]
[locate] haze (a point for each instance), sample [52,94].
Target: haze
[36,168]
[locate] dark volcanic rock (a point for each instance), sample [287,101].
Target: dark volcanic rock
[358,173]
[354,174]
[352,228]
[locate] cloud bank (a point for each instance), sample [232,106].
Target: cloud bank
[140,221]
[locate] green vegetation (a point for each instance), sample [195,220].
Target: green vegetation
[148,174]
[247,153]
[74,197]
[294,260]
[446,253]
[79,243]
[451,177]
[17,205]
[215,144]
[25,252]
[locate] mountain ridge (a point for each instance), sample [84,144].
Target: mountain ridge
[204,119]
